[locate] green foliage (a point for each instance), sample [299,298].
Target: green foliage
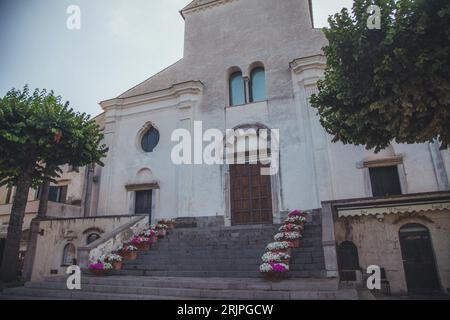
[387,84]
[39,133]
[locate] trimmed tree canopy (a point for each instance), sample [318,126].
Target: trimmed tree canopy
[38,134]
[391,83]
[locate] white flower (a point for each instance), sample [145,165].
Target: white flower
[279,245]
[287,236]
[107,266]
[295,219]
[275,257]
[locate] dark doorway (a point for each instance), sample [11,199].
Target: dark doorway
[2,248]
[143,202]
[251,195]
[348,261]
[418,259]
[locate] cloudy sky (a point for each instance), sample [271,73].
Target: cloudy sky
[120,43]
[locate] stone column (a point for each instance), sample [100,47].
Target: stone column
[329,241]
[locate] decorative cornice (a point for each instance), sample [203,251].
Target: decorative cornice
[175,91]
[308,70]
[199,6]
[302,65]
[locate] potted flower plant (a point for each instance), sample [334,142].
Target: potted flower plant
[293,237]
[114,259]
[298,220]
[161,230]
[100,269]
[274,271]
[280,257]
[288,227]
[128,252]
[279,246]
[151,234]
[140,242]
[170,223]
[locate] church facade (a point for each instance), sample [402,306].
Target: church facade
[252,65]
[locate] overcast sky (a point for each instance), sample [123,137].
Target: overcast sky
[120,43]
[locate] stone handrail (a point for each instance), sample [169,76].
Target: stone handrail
[110,241]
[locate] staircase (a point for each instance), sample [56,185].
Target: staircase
[205,263]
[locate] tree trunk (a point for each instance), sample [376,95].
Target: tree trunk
[43,202]
[10,264]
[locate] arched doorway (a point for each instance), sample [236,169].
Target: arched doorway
[418,259]
[348,261]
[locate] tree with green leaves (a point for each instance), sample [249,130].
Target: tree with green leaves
[387,84]
[38,135]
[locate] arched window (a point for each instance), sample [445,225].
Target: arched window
[150,139]
[237,89]
[92,237]
[68,255]
[258,85]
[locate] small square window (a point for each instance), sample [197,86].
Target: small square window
[385,181]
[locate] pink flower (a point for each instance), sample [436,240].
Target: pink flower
[296,213]
[97,266]
[277,267]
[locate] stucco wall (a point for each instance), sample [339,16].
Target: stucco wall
[59,232]
[378,244]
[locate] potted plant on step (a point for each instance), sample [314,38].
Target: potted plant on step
[142,243]
[151,235]
[288,227]
[170,223]
[280,257]
[100,269]
[274,271]
[279,247]
[292,237]
[114,259]
[128,252]
[161,230]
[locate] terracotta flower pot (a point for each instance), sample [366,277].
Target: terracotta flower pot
[275,276]
[117,265]
[99,273]
[162,233]
[145,246]
[171,226]
[295,243]
[129,255]
[287,251]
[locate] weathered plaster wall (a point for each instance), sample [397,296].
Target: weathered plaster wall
[378,244]
[59,232]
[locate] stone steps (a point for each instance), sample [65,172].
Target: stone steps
[214,273]
[204,263]
[152,288]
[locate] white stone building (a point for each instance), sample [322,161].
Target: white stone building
[252,64]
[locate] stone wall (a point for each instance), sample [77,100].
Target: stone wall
[59,232]
[378,243]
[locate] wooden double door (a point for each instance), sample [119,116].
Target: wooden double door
[250,195]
